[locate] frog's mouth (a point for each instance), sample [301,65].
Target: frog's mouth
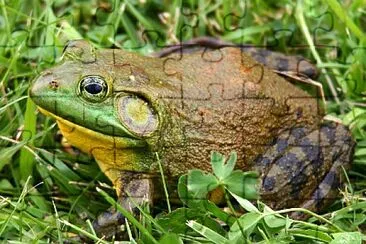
[87,140]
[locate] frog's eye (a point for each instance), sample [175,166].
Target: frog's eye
[137,115]
[93,88]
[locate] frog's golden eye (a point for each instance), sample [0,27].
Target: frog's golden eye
[137,115]
[93,88]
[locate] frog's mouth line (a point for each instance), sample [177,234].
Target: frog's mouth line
[90,138]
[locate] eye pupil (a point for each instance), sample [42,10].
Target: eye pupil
[93,88]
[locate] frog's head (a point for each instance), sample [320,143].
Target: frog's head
[80,93]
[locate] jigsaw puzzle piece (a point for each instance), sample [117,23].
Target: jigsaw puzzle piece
[357,71]
[113,14]
[40,57]
[283,37]
[108,18]
[189,24]
[325,25]
[80,50]
[34,55]
[234,22]
[63,12]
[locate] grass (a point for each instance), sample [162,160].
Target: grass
[48,194]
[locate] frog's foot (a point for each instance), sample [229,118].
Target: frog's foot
[110,223]
[304,168]
[134,190]
[326,192]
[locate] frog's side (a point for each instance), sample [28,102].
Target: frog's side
[183,107]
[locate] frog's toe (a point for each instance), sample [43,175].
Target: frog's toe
[109,223]
[304,167]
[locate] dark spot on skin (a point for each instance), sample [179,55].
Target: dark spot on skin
[287,161]
[262,161]
[282,64]
[298,182]
[298,133]
[347,139]
[269,183]
[305,142]
[330,132]
[313,154]
[309,72]
[299,113]
[264,53]
[318,197]
[281,144]
[295,172]
[259,59]
[260,55]
[331,179]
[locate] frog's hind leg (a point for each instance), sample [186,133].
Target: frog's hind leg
[339,153]
[326,192]
[304,167]
[283,63]
[133,189]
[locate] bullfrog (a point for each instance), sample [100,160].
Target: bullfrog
[187,101]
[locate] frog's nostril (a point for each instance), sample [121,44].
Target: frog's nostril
[42,86]
[53,84]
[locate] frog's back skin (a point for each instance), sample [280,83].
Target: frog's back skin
[231,104]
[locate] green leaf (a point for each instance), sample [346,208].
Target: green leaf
[272,220]
[194,187]
[217,161]
[7,153]
[244,226]
[311,234]
[347,238]
[220,169]
[201,183]
[247,205]
[243,184]
[220,214]
[27,158]
[177,219]
[60,165]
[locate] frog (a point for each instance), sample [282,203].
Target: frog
[187,101]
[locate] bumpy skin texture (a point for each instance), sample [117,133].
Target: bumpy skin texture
[218,99]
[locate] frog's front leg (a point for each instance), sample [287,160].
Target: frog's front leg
[133,189]
[304,167]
